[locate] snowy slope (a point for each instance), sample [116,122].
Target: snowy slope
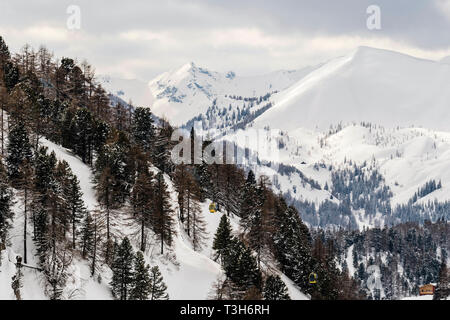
[33,290]
[134,90]
[187,273]
[374,85]
[184,93]
[368,84]
[394,92]
[406,157]
[181,268]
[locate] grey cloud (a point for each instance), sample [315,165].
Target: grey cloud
[186,23]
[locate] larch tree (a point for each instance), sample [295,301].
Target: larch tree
[180,181]
[107,197]
[241,268]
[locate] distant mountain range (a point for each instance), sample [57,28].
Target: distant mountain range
[353,118]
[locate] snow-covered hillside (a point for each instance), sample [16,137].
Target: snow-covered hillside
[405,158]
[188,274]
[366,108]
[369,84]
[187,92]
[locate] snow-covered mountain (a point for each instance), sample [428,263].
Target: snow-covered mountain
[185,93]
[368,84]
[353,117]
[374,85]
[315,165]
[181,266]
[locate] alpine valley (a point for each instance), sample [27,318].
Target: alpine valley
[353,203]
[363,140]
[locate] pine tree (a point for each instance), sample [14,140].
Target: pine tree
[204,178]
[114,157]
[87,236]
[73,205]
[240,267]
[66,134]
[258,222]
[231,182]
[76,205]
[275,289]
[292,244]
[82,126]
[142,129]
[157,286]
[141,280]
[54,257]
[19,149]
[4,52]
[195,223]
[46,203]
[8,69]
[122,268]
[163,220]
[100,134]
[223,237]
[248,201]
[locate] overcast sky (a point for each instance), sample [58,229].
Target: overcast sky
[140,39]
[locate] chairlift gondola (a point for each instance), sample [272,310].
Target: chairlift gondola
[212,207]
[312,278]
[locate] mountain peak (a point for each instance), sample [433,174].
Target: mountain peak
[371,51]
[187,67]
[365,52]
